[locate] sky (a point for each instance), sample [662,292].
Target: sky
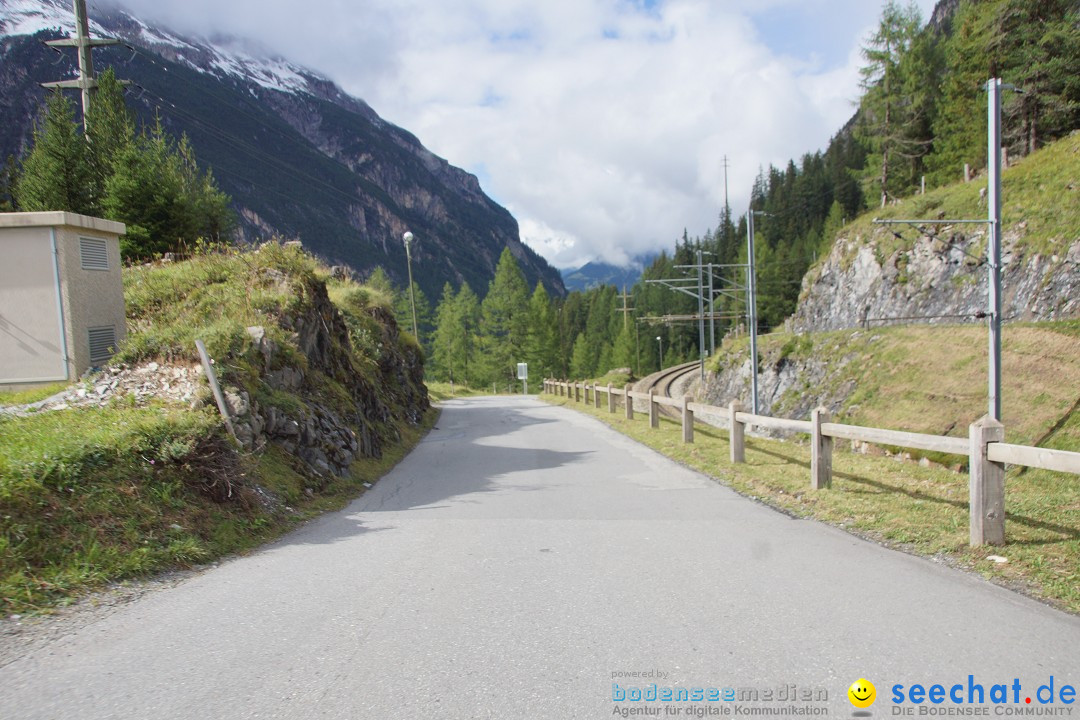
[602,125]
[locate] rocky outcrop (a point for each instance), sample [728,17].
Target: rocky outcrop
[311,395]
[295,411]
[789,388]
[938,280]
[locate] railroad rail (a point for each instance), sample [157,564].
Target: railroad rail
[661,383]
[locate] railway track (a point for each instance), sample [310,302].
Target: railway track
[663,381]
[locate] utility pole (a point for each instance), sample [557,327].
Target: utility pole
[82,40]
[751,309]
[701,314]
[994,86]
[712,314]
[626,310]
[637,347]
[727,207]
[993,250]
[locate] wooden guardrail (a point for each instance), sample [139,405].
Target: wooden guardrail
[985,447]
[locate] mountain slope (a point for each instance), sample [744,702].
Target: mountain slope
[299,156]
[877,274]
[594,274]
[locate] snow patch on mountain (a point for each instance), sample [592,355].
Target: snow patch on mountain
[223,56]
[26,17]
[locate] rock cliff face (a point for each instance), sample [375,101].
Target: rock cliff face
[786,388]
[940,280]
[327,436]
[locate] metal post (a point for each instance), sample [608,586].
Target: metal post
[993,250]
[701,315]
[211,377]
[712,315]
[751,311]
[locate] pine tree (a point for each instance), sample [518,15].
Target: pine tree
[1041,48]
[622,353]
[110,129]
[542,342]
[890,108]
[448,340]
[380,282]
[581,361]
[56,175]
[209,206]
[8,179]
[467,312]
[505,312]
[157,190]
[960,127]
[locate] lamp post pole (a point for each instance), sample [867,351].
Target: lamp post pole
[407,237]
[661,341]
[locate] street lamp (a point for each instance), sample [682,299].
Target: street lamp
[407,237]
[661,341]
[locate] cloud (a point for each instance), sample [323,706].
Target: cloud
[601,124]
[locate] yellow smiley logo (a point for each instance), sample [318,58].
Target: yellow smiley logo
[862,693]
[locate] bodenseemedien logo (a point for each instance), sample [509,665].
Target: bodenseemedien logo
[862,693]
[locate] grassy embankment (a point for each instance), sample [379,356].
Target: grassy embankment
[91,496]
[1039,203]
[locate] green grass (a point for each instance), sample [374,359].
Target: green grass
[439,391]
[932,379]
[904,505]
[33,395]
[89,497]
[1037,200]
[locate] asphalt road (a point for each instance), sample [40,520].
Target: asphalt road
[511,567]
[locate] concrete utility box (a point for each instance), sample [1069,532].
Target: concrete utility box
[61,295]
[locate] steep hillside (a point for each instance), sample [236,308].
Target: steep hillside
[131,471]
[300,158]
[928,379]
[875,273]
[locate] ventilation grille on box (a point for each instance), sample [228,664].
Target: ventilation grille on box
[102,344]
[95,254]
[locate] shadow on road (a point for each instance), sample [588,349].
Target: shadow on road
[465,468]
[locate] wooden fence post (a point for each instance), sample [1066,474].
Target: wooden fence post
[577,391]
[610,399]
[986,487]
[654,410]
[585,387]
[820,451]
[595,397]
[736,433]
[687,420]
[629,402]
